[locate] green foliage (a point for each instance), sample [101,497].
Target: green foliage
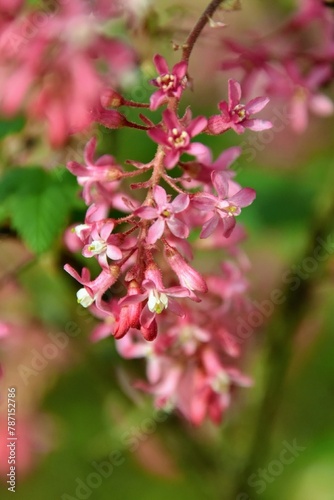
[11,126]
[38,204]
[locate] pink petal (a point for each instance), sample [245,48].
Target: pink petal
[156,99]
[227,158]
[177,291]
[257,125]
[158,135]
[228,225]
[156,231]
[170,119]
[298,114]
[223,107]
[209,226]
[205,203]
[178,228]
[197,126]
[256,105]
[160,196]
[220,183]
[81,279]
[114,252]
[146,317]
[147,213]
[161,64]
[180,69]
[321,105]
[132,299]
[106,230]
[234,93]
[171,158]
[244,197]
[176,308]
[201,152]
[180,203]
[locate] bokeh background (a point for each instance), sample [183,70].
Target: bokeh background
[76,406]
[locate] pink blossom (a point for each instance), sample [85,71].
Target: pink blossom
[44,72]
[213,388]
[224,207]
[189,278]
[171,84]
[251,58]
[157,297]
[99,179]
[177,138]
[237,116]
[101,245]
[164,214]
[93,289]
[303,94]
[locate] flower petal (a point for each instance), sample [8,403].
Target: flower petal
[227,158]
[243,198]
[220,183]
[178,228]
[146,212]
[256,105]
[209,226]
[156,231]
[160,196]
[197,126]
[180,203]
[234,93]
[160,64]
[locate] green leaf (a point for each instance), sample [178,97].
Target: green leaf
[11,126]
[38,204]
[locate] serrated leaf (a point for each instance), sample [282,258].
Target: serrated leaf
[39,214]
[38,204]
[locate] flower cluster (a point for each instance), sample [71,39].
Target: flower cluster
[294,63]
[148,295]
[46,55]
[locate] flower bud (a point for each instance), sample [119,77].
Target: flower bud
[188,277]
[150,332]
[111,99]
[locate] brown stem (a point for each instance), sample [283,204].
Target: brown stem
[134,104]
[197,29]
[134,125]
[172,184]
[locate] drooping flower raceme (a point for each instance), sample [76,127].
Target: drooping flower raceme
[148,295]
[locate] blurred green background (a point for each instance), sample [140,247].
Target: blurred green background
[78,413]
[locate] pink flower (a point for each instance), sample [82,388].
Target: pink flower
[177,138]
[99,179]
[303,93]
[189,278]
[51,73]
[93,289]
[171,84]
[224,208]
[157,296]
[101,245]
[237,116]
[164,213]
[212,390]
[252,58]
